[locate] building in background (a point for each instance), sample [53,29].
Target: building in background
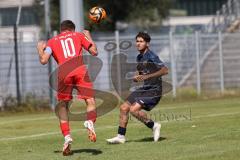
[29,29]
[187,16]
[198,7]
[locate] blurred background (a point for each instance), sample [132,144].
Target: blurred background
[197,39]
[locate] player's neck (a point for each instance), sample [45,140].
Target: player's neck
[65,31]
[144,51]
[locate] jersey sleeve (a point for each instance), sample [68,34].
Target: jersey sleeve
[85,42]
[48,49]
[157,61]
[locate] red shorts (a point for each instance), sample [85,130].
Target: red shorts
[80,82]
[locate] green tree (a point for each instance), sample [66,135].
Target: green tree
[54,15]
[143,13]
[147,13]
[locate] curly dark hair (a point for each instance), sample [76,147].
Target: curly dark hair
[144,35]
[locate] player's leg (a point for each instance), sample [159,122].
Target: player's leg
[91,118]
[124,116]
[123,121]
[138,113]
[85,91]
[91,109]
[62,113]
[62,109]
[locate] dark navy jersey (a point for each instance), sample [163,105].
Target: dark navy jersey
[149,63]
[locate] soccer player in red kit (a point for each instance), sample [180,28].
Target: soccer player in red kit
[67,47]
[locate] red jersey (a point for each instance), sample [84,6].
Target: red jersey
[68,45]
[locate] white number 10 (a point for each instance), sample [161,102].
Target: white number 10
[68,52]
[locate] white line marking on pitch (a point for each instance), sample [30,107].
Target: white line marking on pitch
[106,127]
[54,117]
[216,115]
[53,133]
[29,119]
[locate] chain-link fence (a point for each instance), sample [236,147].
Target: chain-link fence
[225,17]
[201,61]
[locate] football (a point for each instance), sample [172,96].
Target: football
[97,14]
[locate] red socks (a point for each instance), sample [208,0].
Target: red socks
[65,128]
[92,115]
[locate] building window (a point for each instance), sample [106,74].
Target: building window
[8,16]
[199,7]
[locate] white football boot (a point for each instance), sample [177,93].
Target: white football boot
[156,131]
[67,145]
[119,139]
[91,132]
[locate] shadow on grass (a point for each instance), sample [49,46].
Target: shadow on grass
[147,139]
[91,151]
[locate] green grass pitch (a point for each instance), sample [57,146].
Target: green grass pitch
[197,130]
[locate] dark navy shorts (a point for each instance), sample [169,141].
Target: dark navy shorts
[148,98]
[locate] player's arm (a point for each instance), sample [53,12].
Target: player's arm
[44,56]
[135,76]
[161,72]
[93,48]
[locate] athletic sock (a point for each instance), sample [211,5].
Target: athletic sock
[121,131]
[92,115]
[150,124]
[65,128]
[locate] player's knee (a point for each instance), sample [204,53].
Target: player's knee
[124,108]
[62,104]
[132,111]
[91,101]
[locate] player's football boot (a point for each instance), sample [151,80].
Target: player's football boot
[91,132]
[119,139]
[67,146]
[156,131]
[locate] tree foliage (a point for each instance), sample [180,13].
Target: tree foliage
[54,13]
[143,13]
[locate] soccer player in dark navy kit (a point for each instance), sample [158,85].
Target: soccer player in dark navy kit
[150,69]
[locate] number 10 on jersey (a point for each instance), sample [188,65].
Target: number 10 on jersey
[68,47]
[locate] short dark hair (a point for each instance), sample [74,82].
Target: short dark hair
[144,35]
[67,25]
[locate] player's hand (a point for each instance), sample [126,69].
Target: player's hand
[86,33]
[140,78]
[41,45]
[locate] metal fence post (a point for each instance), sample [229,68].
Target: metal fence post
[17,65]
[173,65]
[198,63]
[221,61]
[213,24]
[50,63]
[237,6]
[15,34]
[118,62]
[229,12]
[224,13]
[218,21]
